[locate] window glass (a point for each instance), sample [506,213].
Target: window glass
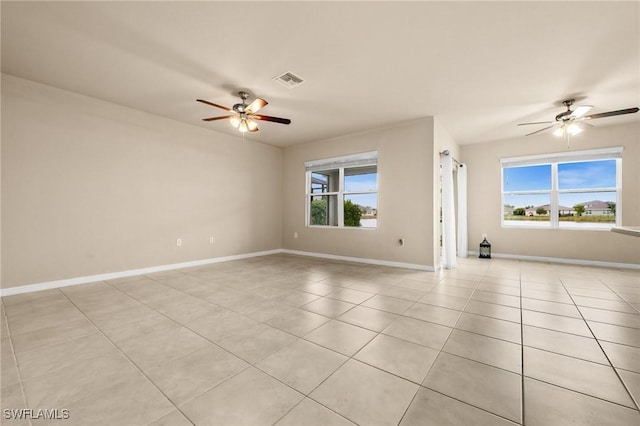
[527,209]
[527,178]
[361,210]
[587,174]
[323,210]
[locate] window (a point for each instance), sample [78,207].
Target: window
[576,190]
[343,191]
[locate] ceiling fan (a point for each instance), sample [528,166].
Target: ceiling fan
[244,117]
[567,121]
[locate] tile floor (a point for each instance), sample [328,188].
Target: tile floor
[285,340]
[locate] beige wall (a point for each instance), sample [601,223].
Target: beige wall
[485,206]
[89,187]
[405,191]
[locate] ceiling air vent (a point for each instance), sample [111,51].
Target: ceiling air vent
[289,79]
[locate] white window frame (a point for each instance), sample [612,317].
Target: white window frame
[338,163]
[554,192]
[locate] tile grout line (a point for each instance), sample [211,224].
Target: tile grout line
[15,360]
[624,385]
[129,359]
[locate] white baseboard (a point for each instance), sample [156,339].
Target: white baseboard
[581,262]
[360,260]
[130,273]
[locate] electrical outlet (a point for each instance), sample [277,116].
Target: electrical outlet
[179,242]
[295,235]
[401,241]
[211,240]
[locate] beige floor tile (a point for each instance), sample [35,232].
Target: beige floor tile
[8,371]
[402,293]
[5,347]
[53,335]
[161,346]
[597,294]
[318,289]
[298,322]
[296,298]
[222,325]
[341,337]
[265,310]
[435,314]
[491,327]
[174,418]
[489,388]
[417,331]
[46,359]
[497,298]
[302,365]
[351,390]
[328,307]
[405,359]
[249,398]
[551,405]
[575,374]
[80,380]
[310,413]
[632,382]
[493,310]
[445,287]
[555,308]
[556,322]
[421,285]
[549,296]
[611,317]
[132,402]
[563,343]
[350,295]
[388,304]
[191,375]
[444,301]
[11,399]
[502,289]
[257,343]
[186,309]
[371,319]
[28,323]
[431,408]
[611,305]
[622,356]
[498,353]
[135,314]
[616,334]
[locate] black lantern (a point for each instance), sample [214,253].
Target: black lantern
[485,249]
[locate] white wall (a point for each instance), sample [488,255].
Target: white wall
[405,196]
[89,187]
[485,209]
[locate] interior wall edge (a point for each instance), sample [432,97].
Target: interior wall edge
[360,260]
[581,262]
[48,285]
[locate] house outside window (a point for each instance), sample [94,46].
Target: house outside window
[342,192]
[574,190]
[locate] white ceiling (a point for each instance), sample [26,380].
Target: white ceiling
[481,67]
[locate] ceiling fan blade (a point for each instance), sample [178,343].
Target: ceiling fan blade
[611,113]
[272,119]
[541,130]
[217,118]
[580,111]
[214,105]
[256,105]
[537,122]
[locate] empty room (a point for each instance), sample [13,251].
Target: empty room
[320,213]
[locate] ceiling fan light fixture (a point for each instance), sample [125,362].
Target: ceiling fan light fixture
[251,125]
[243,127]
[235,121]
[573,129]
[559,131]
